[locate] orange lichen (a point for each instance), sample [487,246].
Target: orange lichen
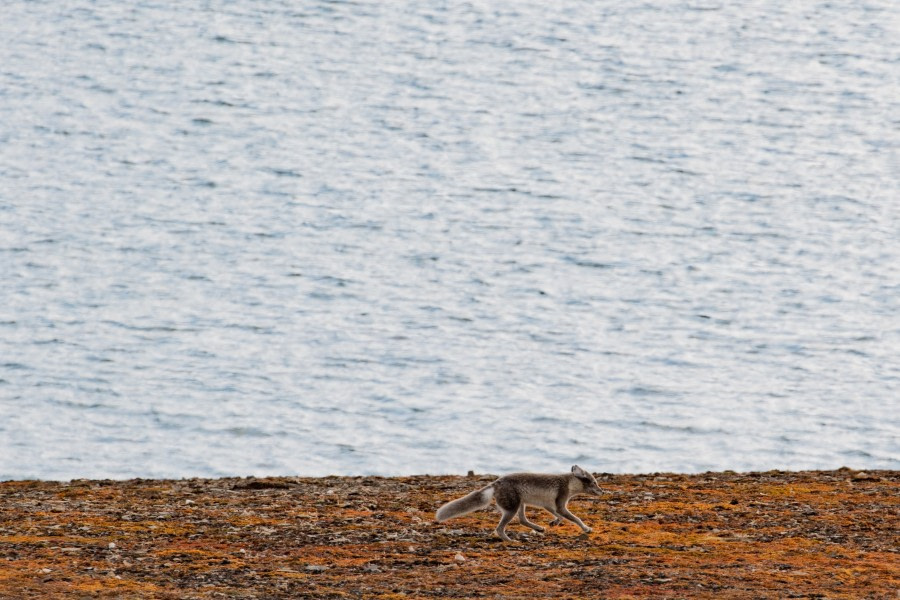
[714,535]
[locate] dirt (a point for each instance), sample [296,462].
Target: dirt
[822,534]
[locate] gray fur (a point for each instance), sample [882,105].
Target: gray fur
[462,506]
[513,492]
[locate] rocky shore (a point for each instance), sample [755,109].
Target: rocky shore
[821,534]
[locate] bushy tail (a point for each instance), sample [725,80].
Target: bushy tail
[466,504]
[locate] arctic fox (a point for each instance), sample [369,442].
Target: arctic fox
[513,492]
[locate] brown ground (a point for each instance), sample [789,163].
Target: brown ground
[717,535]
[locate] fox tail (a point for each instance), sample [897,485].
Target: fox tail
[466,504]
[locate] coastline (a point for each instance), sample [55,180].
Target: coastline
[810,534]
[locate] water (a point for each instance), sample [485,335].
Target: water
[258,237]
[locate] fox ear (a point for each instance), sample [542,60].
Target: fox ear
[577,470]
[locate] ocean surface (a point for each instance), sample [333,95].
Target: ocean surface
[308,237]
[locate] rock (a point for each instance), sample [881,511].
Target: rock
[241,544]
[265,484]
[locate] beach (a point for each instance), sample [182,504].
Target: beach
[810,534]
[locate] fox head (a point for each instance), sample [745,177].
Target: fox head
[587,480]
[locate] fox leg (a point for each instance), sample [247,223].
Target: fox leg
[504,520]
[557,518]
[562,512]
[525,521]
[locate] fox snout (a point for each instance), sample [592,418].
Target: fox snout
[588,483]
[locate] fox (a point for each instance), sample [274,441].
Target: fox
[513,492]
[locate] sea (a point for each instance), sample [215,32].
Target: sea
[313,237]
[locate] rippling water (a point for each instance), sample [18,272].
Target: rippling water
[310,237]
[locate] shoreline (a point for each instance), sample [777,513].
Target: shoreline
[776,534]
[851,470]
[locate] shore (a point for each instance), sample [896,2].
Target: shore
[817,534]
